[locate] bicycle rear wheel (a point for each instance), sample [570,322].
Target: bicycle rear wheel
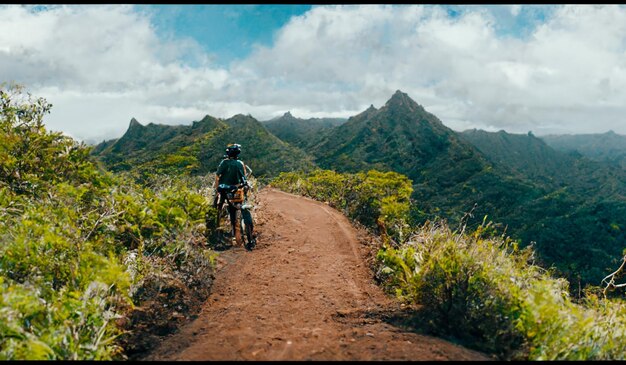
[238,229]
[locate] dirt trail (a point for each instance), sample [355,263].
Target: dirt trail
[305,293]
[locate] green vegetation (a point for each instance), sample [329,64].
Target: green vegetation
[301,133]
[483,290]
[196,150]
[79,247]
[568,206]
[573,222]
[375,199]
[572,210]
[477,287]
[607,147]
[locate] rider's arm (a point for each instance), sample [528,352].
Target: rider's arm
[243,170]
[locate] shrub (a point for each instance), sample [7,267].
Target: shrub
[77,243]
[375,199]
[489,294]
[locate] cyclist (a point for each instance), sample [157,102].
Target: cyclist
[232,171]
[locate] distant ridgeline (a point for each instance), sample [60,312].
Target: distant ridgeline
[198,148]
[301,133]
[573,207]
[608,147]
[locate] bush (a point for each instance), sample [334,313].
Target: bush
[78,243]
[376,199]
[487,293]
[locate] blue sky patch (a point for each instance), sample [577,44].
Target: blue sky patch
[227,32]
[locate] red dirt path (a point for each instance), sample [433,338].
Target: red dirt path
[305,293]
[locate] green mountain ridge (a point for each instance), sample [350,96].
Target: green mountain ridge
[447,172]
[608,147]
[571,208]
[301,132]
[525,155]
[579,224]
[198,148]
[264,152]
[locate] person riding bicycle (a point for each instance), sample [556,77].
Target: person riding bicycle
[231,171]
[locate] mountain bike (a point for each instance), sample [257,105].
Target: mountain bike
[243,226]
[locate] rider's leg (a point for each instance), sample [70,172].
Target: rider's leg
[232,212]
[233,217]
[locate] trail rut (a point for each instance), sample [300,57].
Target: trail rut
[305,293]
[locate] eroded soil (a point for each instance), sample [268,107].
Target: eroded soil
[305,293]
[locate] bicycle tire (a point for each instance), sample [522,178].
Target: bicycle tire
[221,214]
[246,234]
[247,229]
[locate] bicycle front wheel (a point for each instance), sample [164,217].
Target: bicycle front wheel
[246,229]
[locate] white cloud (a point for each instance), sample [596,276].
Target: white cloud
[557,77]
[515,9]
[102,65]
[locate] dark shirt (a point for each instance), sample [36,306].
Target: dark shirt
[231,172]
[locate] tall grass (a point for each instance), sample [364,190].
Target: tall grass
[484,291]
[77,244]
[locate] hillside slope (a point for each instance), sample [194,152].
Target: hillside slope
[608,147]
[449,174]
[301,132]
[578,225]
[198,148]
[573,209]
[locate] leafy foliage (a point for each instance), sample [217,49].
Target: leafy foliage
[29,157]
[375,199]
[485,291]
[77,244]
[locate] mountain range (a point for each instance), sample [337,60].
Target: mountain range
[607,147]
[301,133]
[571,207]
[199,147]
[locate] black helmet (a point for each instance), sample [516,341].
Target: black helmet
[233,150]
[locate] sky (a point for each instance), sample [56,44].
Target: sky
[549,69]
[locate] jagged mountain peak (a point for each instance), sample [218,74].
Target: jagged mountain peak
[401,136]
[206,124]
[134,123]
[242,120]
[402,100]
[207,118]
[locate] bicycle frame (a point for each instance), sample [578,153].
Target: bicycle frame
[242,225]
